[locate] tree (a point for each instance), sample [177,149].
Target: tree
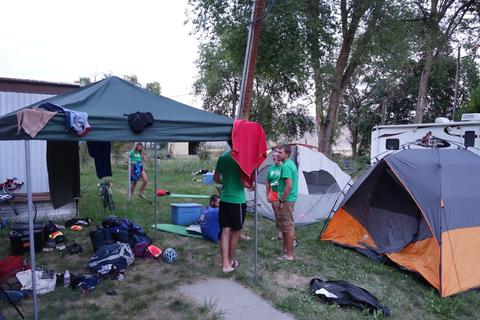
[281,77]
[438,21]
[154,87]
[83,81]
[132,79]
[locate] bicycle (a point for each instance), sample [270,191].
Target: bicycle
[105,191]
[9,198]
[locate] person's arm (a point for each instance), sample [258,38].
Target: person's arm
[286,191]
[267,186]
[217,177]
[246,181]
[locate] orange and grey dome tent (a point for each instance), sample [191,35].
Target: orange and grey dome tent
[421,209]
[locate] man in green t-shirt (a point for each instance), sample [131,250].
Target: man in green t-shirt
[273,177]
[233,208]
[287,194]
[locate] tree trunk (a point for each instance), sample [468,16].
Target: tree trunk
[423,86]
[354,141]
[384,110]
[312,14]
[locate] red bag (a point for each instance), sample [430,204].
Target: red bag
[10,266]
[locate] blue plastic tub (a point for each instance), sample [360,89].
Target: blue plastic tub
[185,214]
[208,178]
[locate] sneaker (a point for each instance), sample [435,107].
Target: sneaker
[142,195]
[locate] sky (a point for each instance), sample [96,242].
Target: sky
[60,41]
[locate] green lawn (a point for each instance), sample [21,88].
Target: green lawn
[149,289]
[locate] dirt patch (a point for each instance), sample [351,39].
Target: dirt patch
[290,280]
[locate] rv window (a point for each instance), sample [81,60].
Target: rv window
[469,138]
[392,144]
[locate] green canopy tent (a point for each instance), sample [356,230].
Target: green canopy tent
[107,102]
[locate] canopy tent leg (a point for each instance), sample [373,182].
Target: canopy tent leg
[155,188]
[129,183]
[30,227]
[255,235]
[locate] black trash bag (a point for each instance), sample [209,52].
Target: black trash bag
[346,294]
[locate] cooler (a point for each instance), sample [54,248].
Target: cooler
[185,214]
[208,178]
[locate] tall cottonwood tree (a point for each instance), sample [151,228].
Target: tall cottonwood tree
[437,20]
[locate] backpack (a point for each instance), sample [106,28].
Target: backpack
[112,257]
[126,231]
[100,238]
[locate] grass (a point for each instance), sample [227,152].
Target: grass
[149,289]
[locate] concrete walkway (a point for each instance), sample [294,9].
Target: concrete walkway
[234,300]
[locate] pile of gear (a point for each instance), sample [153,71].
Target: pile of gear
[116,243]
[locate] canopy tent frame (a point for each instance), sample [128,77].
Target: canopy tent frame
[210,127]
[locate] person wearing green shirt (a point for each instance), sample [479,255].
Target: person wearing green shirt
[273,178]
[233,208]
[287,193]
[137,169]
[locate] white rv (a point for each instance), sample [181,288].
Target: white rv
[441,134]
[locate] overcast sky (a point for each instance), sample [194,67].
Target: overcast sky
[59,40]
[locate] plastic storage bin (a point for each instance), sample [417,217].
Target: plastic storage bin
[208,178]
[185,214]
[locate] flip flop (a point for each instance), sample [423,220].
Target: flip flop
[228,271]
[284,258]
[235,264]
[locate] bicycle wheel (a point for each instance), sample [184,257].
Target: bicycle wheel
[24,200]
[106,201]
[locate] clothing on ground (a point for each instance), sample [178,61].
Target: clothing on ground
[63,167]
[33,120]
[289,171]
[100,151]
[232,215]
[249,145]
[232,191]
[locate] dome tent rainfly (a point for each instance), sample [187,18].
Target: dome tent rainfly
[106,102]
[421,209]
[320,184]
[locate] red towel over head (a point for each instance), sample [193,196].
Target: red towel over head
[249,145]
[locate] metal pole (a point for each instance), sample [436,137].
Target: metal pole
[455,98]
[246,63]
[250,59]
[155,188]
[128,174]
[255,235]
[30,227]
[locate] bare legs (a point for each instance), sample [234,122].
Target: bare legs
[142,187]
[228,246]
[288,238]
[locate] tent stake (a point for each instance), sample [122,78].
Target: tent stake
[255,236]
[30,227]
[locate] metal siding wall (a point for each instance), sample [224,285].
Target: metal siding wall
[12,153]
